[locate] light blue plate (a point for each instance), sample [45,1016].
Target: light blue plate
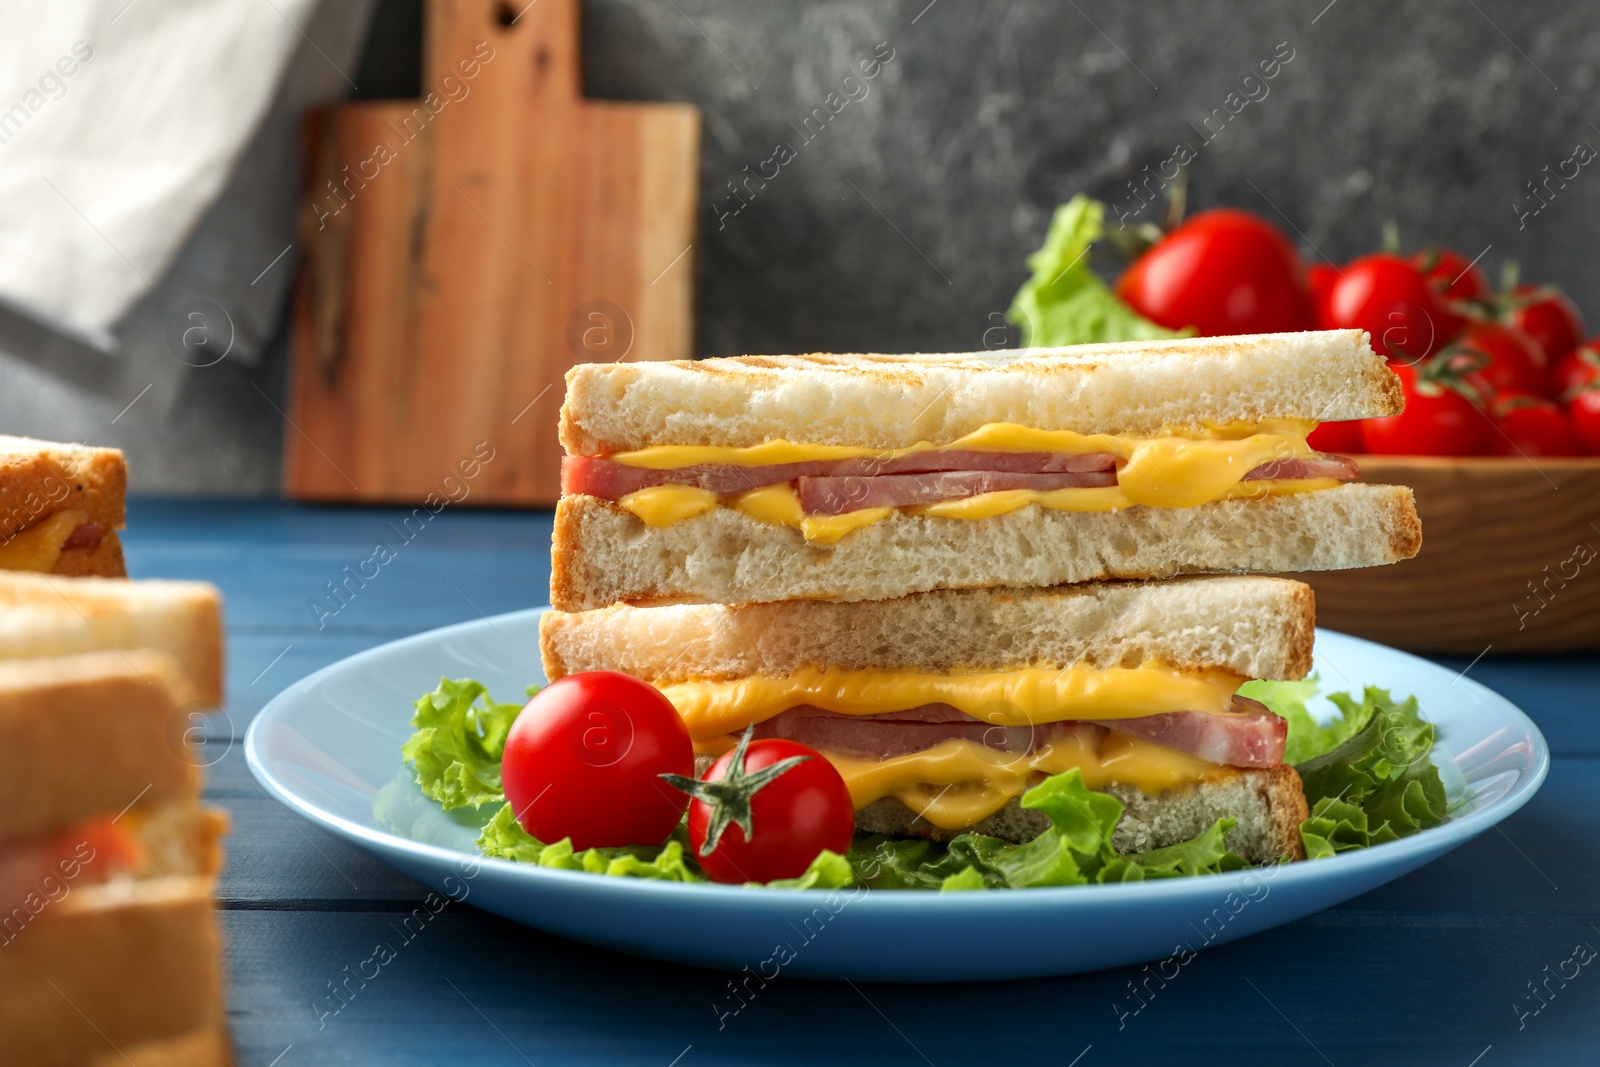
[329,747]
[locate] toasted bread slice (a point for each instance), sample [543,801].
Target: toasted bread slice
[884,401]
[1254,626]
[43,615]
[86,735]
[110,966]
[1268,806]
[603,554]
[42,479]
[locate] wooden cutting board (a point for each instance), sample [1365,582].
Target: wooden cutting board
[462,250]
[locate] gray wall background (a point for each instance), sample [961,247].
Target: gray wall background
[903,226]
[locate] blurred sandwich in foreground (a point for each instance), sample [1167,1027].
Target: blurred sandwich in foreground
[61,506]
[110,948]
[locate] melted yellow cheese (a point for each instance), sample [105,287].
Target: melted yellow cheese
[958,782]
[663,505]
[780,505]
[1178,470]
[39,547]
[1022,697]
[993,437]
[1109,498]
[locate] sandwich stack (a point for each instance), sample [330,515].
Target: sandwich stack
[955,575]
[110,951]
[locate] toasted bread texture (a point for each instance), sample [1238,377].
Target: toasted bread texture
[109,966]
[884,401]
[105,560]
[602,554]
[88,735]
[139,954]
[40,478]
[1269,806]
[44,615]
[206,1047]
[1258,627]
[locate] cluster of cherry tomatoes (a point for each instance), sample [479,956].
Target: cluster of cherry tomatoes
[604,759]
[1484,373]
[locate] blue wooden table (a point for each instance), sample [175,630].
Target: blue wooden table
[1435,968]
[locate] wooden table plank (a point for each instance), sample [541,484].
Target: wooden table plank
[468,988]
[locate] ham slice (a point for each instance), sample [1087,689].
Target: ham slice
[1248,736]
[830,487]
[1319,466]
[594,476]
[834,496]
[88,535]
[1251,736]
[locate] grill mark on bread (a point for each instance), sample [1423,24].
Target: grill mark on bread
[891,401]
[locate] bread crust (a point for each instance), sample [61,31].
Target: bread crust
[40,478]
[142,959]
[206,1047]
[893,401]
[88,735]
[103,561]
[1269,806]
[45,615]
[602,554]
[1257,627]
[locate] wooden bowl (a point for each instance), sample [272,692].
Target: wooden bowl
[1510,560]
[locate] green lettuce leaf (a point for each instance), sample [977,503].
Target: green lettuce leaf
[1377,785]
[460,736]
[1064,302]
[1075,850]
[504,838]
[1307,736]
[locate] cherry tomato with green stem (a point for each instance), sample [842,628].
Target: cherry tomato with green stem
[765,810]
[1442,416]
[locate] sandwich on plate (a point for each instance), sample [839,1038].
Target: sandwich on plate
[61,507]
[866,477]
[941,709]
[109,946]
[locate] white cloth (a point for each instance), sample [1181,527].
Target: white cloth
[120,121]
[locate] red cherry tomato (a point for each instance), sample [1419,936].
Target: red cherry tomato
[1546,314]
[1450,274]
[582,760]
[1577,370]
[1438,420]
[1533,426]
[1320,279]
[1390,299]
[1508,360]
[795,804]
[1224,271]
[1340,438]
[1584,411]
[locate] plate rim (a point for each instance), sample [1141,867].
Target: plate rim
[1431,842]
